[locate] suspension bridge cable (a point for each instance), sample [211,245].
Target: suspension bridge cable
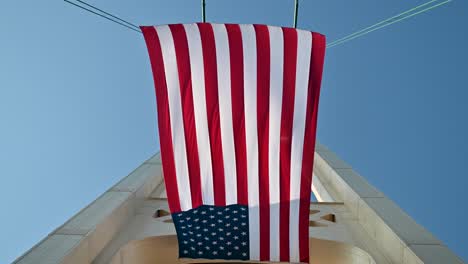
[109,14]
[103,16]
[385,23]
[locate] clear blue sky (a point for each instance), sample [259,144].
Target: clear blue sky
[77,107]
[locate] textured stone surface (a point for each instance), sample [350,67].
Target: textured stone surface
[87,219]
[135,180]
[430,254]
[403,225]
[358,184]
[55,249]
[155,159]
[392,230]
[333,160]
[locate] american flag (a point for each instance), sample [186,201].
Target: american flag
[237,114]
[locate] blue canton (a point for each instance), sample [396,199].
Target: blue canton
[213,232]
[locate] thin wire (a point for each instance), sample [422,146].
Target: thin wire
[296,11]
[340,41]
[203,11]
[109,14]
[96,13]
[383,21]
[362,33]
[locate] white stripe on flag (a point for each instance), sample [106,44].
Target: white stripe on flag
[225,111]
[276,95]
[175,109]
[304,45]
[199,106]
[250,104]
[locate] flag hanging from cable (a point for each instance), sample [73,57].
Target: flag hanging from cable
[237,115]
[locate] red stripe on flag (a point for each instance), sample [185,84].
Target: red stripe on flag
[164,119]
[315,79]
[238,118]
[263,106]
[212,109]
[287,113]
[185,83]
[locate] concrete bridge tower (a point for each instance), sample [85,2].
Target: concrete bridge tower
[352,222]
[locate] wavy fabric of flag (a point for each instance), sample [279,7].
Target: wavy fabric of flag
[237,114]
